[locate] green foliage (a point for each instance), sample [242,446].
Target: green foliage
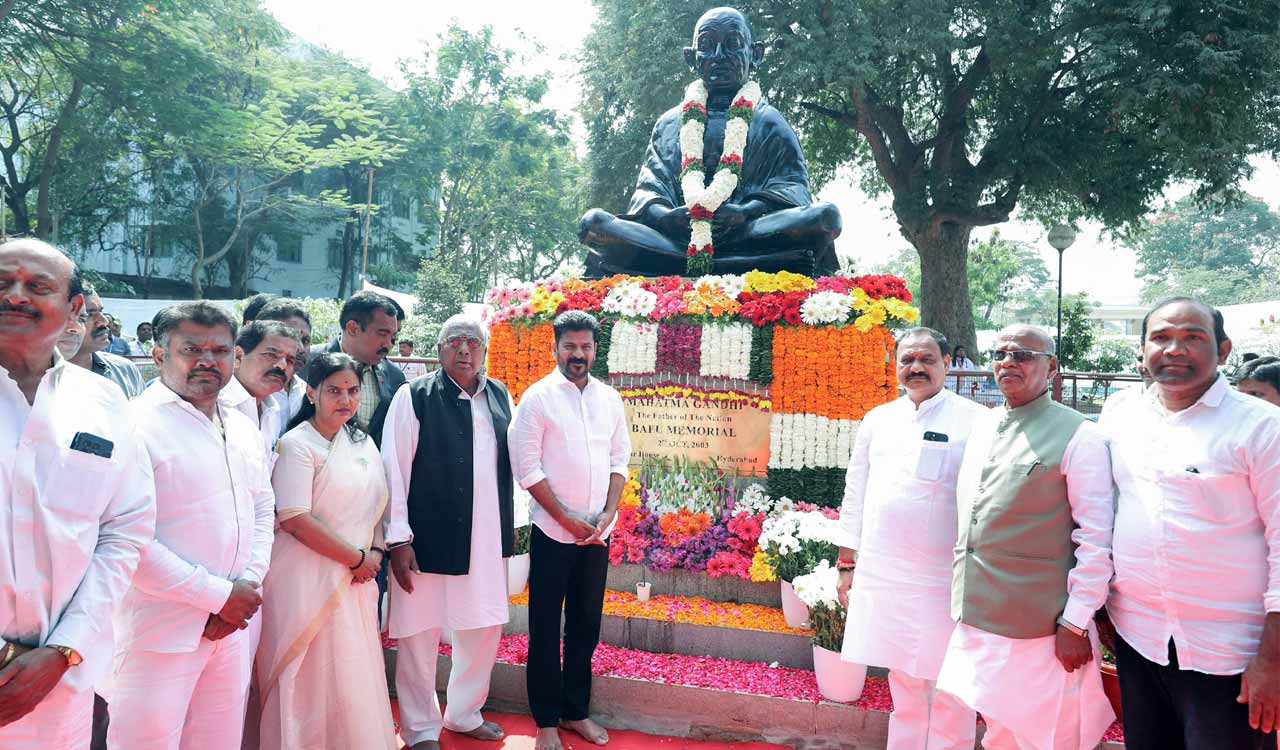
[1006,278]
[1077,334]
[820,486]
[498,165]
[1001,272]
[600,367]
[423,332]
[1112,355]
[964,112]
[828,626]
[522,539]
[801,562]
[761,369]
[440,290]
[1222,254]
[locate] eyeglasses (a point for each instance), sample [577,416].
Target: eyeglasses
[457,342]
[1020,356]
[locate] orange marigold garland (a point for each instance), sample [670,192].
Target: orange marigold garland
[520,355]
[834,372]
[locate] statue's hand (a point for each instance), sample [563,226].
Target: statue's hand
[729,216]
[675,220]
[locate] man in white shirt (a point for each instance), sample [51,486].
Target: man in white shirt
[450,523]
[77,506]
[183,659]
[899,515]
[411,370]
[570,446]
[1032,561]
[266,351]
[291,312]
[1196,596]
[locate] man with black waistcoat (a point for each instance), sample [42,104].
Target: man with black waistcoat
[370,323]
[449,527]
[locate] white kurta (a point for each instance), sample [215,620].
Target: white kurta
[266,418]
[900,513]
[479,598]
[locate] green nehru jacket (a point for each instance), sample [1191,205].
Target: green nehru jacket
[1014,549]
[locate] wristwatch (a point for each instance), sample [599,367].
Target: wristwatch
[1072,628]
[73,657]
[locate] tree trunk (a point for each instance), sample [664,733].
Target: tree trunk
[44,219]
[944,282]
[5,7]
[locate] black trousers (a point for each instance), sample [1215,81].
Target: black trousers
[1167,708]
[570,577]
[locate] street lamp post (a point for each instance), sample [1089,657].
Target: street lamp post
[1061,237]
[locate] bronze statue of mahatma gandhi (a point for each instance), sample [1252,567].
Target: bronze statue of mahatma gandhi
[769,222]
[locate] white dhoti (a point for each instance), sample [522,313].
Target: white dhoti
[925,718]
[1023,693]
[474,654]
[62,721]
[181,701]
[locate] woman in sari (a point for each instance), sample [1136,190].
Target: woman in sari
[319,667]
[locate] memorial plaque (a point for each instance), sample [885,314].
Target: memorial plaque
[732,433]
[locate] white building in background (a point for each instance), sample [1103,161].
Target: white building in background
[307,264]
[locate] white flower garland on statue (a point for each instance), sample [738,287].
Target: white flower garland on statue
[703,199]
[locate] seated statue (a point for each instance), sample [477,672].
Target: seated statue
[769,222]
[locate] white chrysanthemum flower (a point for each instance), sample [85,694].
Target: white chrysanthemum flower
[819,587]
[825,308]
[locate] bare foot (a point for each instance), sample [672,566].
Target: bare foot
[588,730]
[548,738]
[487,731]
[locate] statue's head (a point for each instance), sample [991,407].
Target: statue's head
[723,51]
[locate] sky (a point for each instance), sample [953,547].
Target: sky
[379,33]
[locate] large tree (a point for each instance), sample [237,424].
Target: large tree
[502,183]
[965,112]
[1224,255]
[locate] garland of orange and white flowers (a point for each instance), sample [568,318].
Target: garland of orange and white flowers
[703,200]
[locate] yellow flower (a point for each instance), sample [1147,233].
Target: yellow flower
[762,569]
[783,281]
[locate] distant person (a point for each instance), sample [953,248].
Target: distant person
[1195,601]
[411,370]
[370,323]
[253,305]
[291,312]
[92,355]
[141,346]
[1260,377]
[118,345]
[961,361]
[77,508]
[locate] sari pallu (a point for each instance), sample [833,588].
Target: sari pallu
[319,666]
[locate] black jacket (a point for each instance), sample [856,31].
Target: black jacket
[441,485]
[390,378]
